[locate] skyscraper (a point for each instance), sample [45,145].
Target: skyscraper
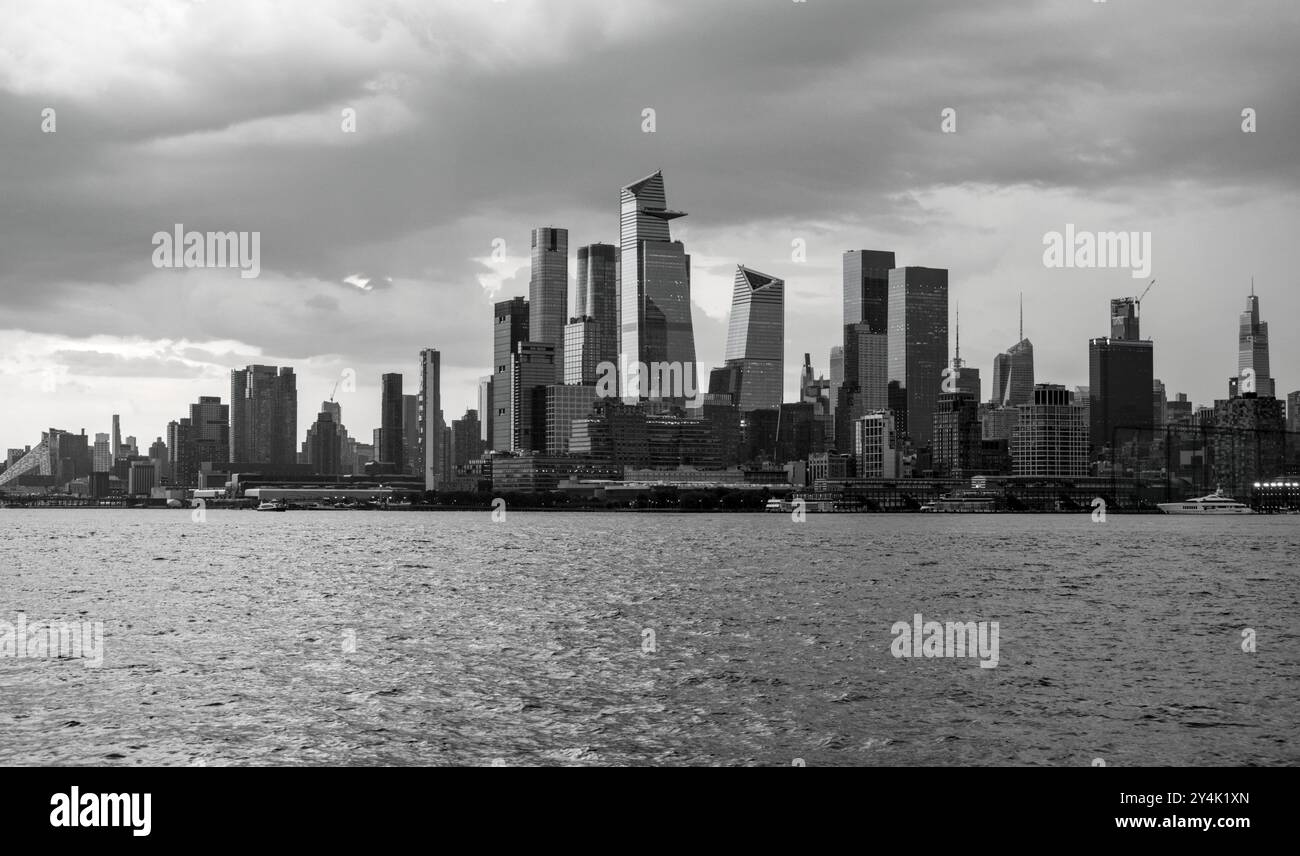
[654,290]
[756,338]
[432,427]
[582,350]
[392,446]
[1120,378]
[866,379]
[510,328]
[325,444]
[866,288]
[548,291]
[918,343]
[102,457]
[1013,371]
[410,433]
[1252,347]
[485,410]
[202,437]
[597,299]
[263,415]
[532,369]
[117,437]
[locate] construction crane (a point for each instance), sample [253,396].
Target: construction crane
[1138,301]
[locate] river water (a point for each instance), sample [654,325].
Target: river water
[621,638]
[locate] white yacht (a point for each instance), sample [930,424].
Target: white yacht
[1215,503]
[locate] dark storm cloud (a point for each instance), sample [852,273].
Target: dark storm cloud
[478,121]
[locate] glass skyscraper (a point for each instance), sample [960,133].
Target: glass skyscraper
[1120,376]
[756,338]
[1252,347]
[597,298]
[392,446]
[548,291]
[263,415]
[432,427]
[510,328]
[918,343]
[654,288]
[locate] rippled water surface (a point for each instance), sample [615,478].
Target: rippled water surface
[523,640]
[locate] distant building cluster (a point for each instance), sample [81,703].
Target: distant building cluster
[610,393]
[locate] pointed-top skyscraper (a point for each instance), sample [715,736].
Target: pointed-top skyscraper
[1013,371]
[756,339]
[1252,346]
[654,289]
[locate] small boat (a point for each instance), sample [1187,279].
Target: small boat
[273,505]
[1215,503]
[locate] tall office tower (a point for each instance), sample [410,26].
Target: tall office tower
[866,310]
[1051,435]
[548,291]
[597,298]
[967,378]
[654,289]
[485,410]
[511,328]
[202,437]
[1013,371]
[392,443]
[866,385]
[866,288]
[466,439]
[1252,347]
[877,447]
[410,433]
[918,343]
[582,350]
[102,458]
[1293,412]
[129,447]
[837,381]
[263,415]
[1120,377]
[432,442]
[532,369]
[1159,403]
[158,455]
[117,437]
[342,452]
[756,338]
[957,436]
[325,445]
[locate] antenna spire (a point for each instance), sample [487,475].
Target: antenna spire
[1022,316]
[958,360]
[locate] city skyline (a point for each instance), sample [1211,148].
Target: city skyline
[98,331]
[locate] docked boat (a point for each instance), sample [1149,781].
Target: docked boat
[273,505]
[1215,503]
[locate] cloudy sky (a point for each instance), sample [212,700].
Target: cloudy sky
[775,122]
